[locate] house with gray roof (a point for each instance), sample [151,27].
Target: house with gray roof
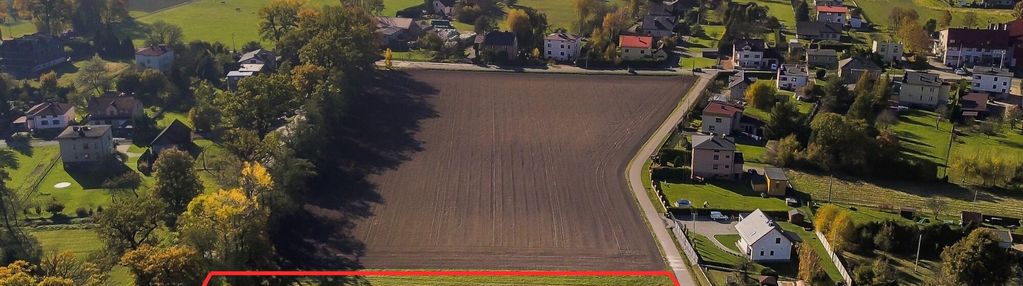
[761,239]
[809,30]
[85,144]
[259,57]
[851,69]
[715,156]
[658,26]
[736,87]
[822,58]
[923,89]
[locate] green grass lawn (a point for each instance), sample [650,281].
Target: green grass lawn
[414,55]
[32,164]
[510,281]
[903,266]
[809,238]
[877,11]
[81,242]
[229,22]
[729,240]
[724,195]
[84,192]
[781,9]
[710,252]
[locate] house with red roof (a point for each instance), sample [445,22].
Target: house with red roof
[968,47]
[640,48]
[720,118]
[832,14]
[159,58]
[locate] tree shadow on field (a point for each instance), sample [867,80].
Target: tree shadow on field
[376,134]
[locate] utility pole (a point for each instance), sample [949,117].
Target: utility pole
[948,152]
[918,244]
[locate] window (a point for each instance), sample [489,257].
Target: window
[44,122]
[642,52]
[562,46]
[777,240]
[761,253]
[745,56]
[56,122]
[715,166]
[717,120]
[548,52]
[715,157]
[85,146]
[772,252]
[711,128]
[562,53]
[726,166]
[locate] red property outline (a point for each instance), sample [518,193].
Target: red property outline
[417,273]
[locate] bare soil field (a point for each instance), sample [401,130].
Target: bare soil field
[518,171]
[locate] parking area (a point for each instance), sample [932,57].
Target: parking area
[709,228]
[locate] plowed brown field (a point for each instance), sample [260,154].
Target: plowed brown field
[521,171]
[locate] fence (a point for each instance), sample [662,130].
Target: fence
[683,240]
[835,259]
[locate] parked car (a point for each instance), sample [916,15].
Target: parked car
[900,108]
[791,201]
[683,203]
[716,215]
[962,71]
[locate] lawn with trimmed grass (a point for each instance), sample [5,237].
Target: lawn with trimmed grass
[230,22]
[708,251]
[734,195]
[877,11]
[781,9]
[85,190]
[514,281]
[32,164]
[81,242]
[809,238]
[729,240]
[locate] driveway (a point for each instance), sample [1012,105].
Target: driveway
[709,228]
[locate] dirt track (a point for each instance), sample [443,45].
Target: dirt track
[521,171]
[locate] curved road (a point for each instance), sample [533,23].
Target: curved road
[634,176]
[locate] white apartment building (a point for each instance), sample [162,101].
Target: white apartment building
[889,52]
[561,46]
[792,77]
[991,79]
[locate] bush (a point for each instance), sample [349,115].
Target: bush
[670,174]
[673,155]
[54,207]
[82,212]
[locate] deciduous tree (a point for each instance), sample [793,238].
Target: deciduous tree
[977,260]
[176,181]
[175,265]
[129,222]
[785,120]
[163,33]
[761,95]
[53,16]
[278,18]
[260,103]
[810,267]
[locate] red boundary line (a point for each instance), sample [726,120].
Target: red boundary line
[417,273]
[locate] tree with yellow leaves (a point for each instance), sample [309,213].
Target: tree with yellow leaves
[387,58]
[536,53]
[518,22]
[23,273]
[229,226]
[176,265]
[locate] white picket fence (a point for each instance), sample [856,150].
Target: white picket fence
[835,259]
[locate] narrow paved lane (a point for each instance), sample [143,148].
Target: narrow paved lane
[656,220]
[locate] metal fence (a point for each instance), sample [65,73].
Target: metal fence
[835,259]
[683,240]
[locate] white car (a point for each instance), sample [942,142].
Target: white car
[715,215]
[962,72]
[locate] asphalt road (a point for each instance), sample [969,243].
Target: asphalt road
[635,170]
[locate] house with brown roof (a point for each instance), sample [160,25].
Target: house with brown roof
[85,144]
[159,58]
[176,135]
[720,118]
[640,48]
[118,110]
[715,156]
[967,47]
[851,69]
[49,115]
[832,14]
[498,45]
[397,32]
[974,105]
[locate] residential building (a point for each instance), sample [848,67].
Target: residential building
[498,45]
[665,8]
[658,26]
[117,110]
[397,32]
[259,57]
[49,115]
[443,8]
[640,48]
[996,3]
[761,240]
[31,55]
[851,69]
[832,14]
[1015,30]
[176,135]
[159,58]
[792,77]
[822,58]
[85,144]
[737,85]
[715,156]
[244,71]
[974,105]
[855,20]
[818,31]
[967,47]
[890,52]
[720,118]
[561,46]
[777,181]
[923,89]
[753,54]
[991,79]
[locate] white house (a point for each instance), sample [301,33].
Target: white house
[760,239]
[561,46]
[923,89]
[792,77]
[159,58]
[752,54]
[991,79]
[889,52]
[49,115]
[832,14]
[259,57]
[720,118]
